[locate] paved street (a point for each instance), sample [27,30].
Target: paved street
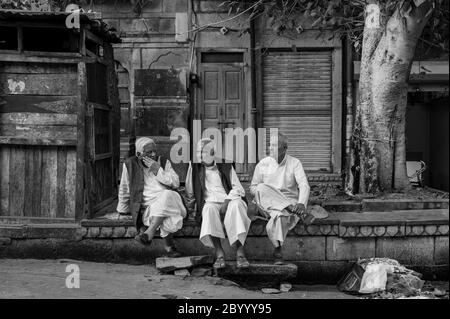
[30,278]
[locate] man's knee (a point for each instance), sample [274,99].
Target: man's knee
[210,211]
[168,192]
[261,188]
[236,206]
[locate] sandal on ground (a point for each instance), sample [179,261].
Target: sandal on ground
[220,263]
[143,239]
[242,262]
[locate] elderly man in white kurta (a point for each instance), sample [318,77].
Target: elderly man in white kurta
[148,190]
[216,190]
[281,191]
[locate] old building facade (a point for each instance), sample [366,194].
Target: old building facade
[183,60]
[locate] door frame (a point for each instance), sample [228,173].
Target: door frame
[246,86]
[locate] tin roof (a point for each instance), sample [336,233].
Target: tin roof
[97,25]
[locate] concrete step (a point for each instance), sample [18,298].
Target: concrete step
[258,270]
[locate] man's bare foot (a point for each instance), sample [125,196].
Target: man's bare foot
[143,238]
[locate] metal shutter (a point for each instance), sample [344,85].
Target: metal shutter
[297,97]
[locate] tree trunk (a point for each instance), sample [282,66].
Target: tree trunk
[379,143]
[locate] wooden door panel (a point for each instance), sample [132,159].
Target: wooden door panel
[211,86]
[232,85]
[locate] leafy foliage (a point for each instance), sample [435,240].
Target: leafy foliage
[344,17]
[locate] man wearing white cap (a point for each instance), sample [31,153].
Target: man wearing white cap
[216,190]
[148,190]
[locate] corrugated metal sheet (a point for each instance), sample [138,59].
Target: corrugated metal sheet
[297,97]
[97,24]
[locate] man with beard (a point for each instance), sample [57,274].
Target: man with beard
[148,190]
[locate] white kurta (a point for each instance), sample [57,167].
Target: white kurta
[236,221]
[276,186]
[159,201]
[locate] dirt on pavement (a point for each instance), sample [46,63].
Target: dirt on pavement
[30,278]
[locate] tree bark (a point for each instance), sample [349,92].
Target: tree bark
[379,142]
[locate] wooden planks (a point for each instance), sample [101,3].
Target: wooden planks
[37,84]
[38,182]
[25,118]
[38,104]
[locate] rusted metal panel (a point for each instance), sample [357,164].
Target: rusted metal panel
[297,99]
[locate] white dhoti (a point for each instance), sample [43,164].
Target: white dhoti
[272,204]
[236,222]
[166,204]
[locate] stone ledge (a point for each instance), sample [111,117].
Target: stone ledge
[371,205]
[342,224]
[65,231]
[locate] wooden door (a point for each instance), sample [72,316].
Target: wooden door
[100,172]
[221,102]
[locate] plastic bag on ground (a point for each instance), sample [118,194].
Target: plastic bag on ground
[375,278]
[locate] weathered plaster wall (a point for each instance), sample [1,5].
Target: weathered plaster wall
[157,62]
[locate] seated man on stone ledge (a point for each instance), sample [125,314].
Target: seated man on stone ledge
[281,191]
[217,192]
[148,190]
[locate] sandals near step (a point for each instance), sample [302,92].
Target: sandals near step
[219,263]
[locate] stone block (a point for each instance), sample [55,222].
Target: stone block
[106,232]
[409,250]
[294,248]
[171,6]
[349,248]
[5,241]
[372,230]
[93,232]
[99,250]
[119,232]
[37,248]
[441,250]
[131,232]
[166,264]
[129,250]
[13,231]
[166,26]
[285,271]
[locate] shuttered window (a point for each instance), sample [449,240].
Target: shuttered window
[297,97]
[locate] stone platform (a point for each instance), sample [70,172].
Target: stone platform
[415,235]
